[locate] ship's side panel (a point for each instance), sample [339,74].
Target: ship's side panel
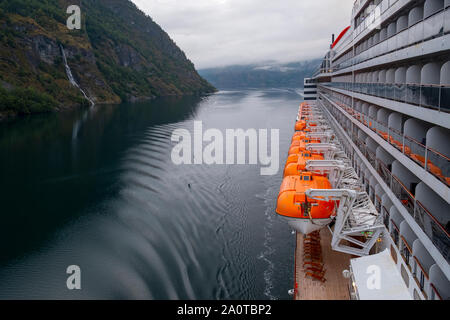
[387,86]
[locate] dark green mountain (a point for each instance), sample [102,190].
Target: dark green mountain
[119,54]
[268,75]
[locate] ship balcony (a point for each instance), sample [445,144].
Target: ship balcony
[423,217]
[427,21]
[357,5]
[407,142]
[323,72]
[435,97]
[361,21]
[419,269]
[417,198]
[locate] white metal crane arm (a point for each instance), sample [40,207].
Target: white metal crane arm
[321,147]
[324,165]
[330,194]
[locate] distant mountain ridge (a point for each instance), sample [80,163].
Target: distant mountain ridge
[263,75]
[119,54]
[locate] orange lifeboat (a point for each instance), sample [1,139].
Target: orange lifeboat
[296,163]
[300,125]
[303,214]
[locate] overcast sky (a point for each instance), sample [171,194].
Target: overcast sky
[225,32]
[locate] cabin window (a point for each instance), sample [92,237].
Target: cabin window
[306,178]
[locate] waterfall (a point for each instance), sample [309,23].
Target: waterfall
[72,79]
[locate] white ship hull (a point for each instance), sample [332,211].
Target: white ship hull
[306,226]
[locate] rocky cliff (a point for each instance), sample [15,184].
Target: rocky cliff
[118,54]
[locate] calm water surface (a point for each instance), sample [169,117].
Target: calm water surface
[96,188]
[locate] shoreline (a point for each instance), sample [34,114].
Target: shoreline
[9,115]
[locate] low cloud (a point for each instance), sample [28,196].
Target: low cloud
[225,32]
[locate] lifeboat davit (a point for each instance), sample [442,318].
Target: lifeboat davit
[296,163]
[303,214]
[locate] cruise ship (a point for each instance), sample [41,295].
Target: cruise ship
[383,88]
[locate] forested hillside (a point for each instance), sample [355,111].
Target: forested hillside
[119,54]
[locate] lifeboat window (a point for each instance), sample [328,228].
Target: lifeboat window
[306,178]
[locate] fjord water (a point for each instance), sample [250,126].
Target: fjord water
[97,188]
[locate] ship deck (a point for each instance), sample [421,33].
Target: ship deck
[336,286]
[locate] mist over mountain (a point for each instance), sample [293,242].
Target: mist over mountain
[263,75]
